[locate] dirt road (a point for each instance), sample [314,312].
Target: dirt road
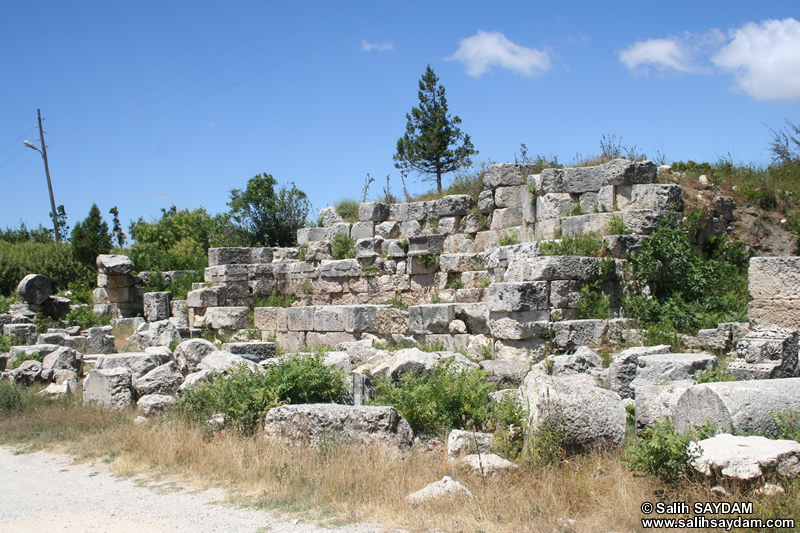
[43,492]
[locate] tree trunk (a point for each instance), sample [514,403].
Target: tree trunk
[439,180]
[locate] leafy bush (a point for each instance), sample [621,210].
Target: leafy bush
[508,420]
[593,303]
[5,303]
[438,400]
[662,452]
[179,286]
[6,342]
[21,358]
[456,284]
[85,318]
[347,209]
[343,247]
[51,259]
[586,245]
[244,397]
[788,424]
[616,226]
[507,239]
[428,260]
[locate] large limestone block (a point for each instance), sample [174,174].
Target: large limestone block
[227,317]
[582,224]
[766,352]
[109,388]
[311,423]
[661,197]
[157,305]
[774,277]
[519,325]
[388,230]
[446,489]
[373,212]
[254,350]
[431,318]
[300,318]
[590,416]
[660,368]
[307,235]
[63,358]
[740,406]
[190,353]
[486,202]
[518,296]
[114,264]
[460,443]
[23,333]
[510,196]
[657,400]
[507,174]
[642,221]
[160,333]
[360,318]
[155,404]
[622,370]
[225,273]
[553,206]
[558,267]
[577,180]
[783,312]
[449,206]
[35,288]
[229,256]
[570,334]
[426,244]
[164,379]
[329,318]
[747,457]
[223,362]
[458,262]
[137,363]
[509,217]
[339,268]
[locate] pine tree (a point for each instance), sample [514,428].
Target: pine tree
[431,142]
[90,238]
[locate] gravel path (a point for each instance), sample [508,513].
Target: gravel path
[49,492]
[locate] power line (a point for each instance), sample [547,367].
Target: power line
[4,178]
[273,67]
[13,157]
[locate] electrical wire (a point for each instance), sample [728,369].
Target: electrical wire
[4,178]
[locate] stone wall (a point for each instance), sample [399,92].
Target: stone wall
[774,284]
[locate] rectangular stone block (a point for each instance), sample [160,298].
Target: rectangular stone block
[658,196]
[449,206]
[422,264]
[430,318]
[398,212]
[641,221]
[227,272]
[507,174]
[506,218]
[270,318]
[486,240]
[300,318]
[288,341]
[774,278]
[459,244]
[228,256]
[373,212]
[260,255]
[784,312]
[425,244]
[549,268]
[362,230]
[417,211]
[578,180]
[570,334]
[331,338]
[519,325]
[360,318]
[262,350]
[512,196]
[522,296]
[115,281]
[307,235]
[157,306]
[582,224]
[565,294]
[329,318]
[606,199]
[459,262]
[227,317]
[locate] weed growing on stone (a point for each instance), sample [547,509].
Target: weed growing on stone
[347,209]
[509,238]
[586,245]
[343,247]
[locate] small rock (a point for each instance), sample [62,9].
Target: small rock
[446,488]
[770,489]
[719,491]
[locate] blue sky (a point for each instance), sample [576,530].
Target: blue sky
[154,103]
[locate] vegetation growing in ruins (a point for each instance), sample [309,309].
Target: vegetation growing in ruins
[18,259]
[587,245]
[433,145]
[347,208]
[594,303]
[343,247]
[508,238]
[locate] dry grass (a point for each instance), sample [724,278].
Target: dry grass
[339,483]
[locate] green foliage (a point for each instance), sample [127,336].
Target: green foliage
[302,252]
[305,288]
[586,245]
[693,287]
[485,281]
[664,453]
[429,260]
[343,247]
[509,238]
[540,162]
[508,420]
[5,303]
[433,224]
[21,358]
[85,318]
[15,397]
[593,303]
[23,234]
[51,259]
[179,240]
[274,300]
[456,284]
[347,209]
[90,238]
[713,376]
[616,226]
[6,342]
[266,217]
[440,399]
[788,424]
[179,286]
[244,397]
[547,444]
[433,144]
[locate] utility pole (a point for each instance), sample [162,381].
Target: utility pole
[43,151]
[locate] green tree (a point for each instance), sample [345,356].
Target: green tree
[116,231]
[90,238]
[265,217]
[433,144]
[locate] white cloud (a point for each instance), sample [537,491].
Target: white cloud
[660,54]
[484,50]
[212,124]
[380,47]
[764,59]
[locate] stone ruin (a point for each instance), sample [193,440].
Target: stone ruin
[472,279]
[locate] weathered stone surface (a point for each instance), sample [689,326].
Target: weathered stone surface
[109,388]
[114,264]
[549,268]
[519,325]
[509,217]
[450,206]
[740,406]
[155,404]
[164,379]
[518,296]
[622,370]
[63,358]
[227,317]
[369,248]
[577,180]
[100,340]
[444,489]
[486,201]
[513,196]
[554,205]
[582,224]
[425,245]
[189,353]
[592,417]
[23,333]
[565,294]
[458,262]
[157,305]
[328,216]
[309,423]
[28,373]
[657,400]
[373,212]
[660,197]
[622,246]
[405,360]
[56,307]
[766,352]
[487,464]
[388,230]
[260,350]
[431,318]
[660,368]
[159,333]
[783,312]
[203,297]
[581,362]
[774,278]
[222,362]
[461,443]
[745,458]
[137,363]
[505,373]
[642,221]
[570,334]
[506,174]
[313,234]
[229,256]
